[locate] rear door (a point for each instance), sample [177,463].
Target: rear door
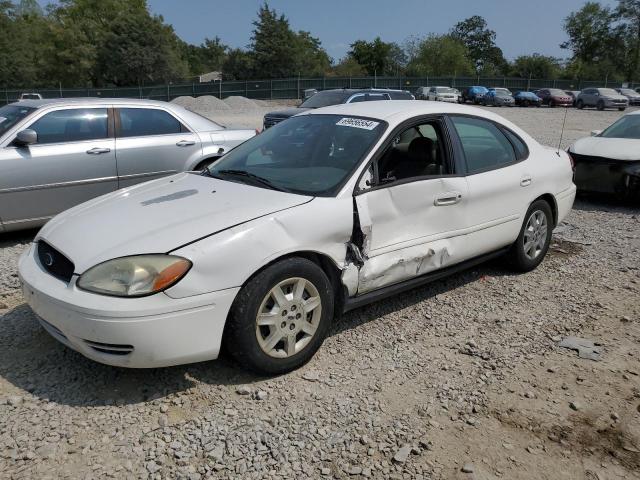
[152,143]
[499,181]
[72,162]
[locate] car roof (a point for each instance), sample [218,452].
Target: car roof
[195,121]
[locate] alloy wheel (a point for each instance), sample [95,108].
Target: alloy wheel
[288,317]
[535,235]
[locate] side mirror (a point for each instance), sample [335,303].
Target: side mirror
[26,137]
[595,133]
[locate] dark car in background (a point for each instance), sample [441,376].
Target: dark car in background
[554,97]
[498,97]
[336,96]
[474,94]
[632,95]
[602,98]
[573,94]
[527,99]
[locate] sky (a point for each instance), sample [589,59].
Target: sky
[521,26]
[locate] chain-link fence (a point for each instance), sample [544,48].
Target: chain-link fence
[292,88]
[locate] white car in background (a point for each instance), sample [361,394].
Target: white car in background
[609,161]
[332,209]
[443,94]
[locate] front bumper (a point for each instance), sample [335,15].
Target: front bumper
[153,331]
[606,175]
[615,104]
[447,99]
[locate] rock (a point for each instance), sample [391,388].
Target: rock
[468,468]
[530,395]
[261,395]
[243,390]
[575,405]
[217,452]
[311,376]
[325,471]
[163,421]
[152,467]
[354,470]
[14,400]
[402,454]
[230,412]
[164,408]
[585,348]
[615,416]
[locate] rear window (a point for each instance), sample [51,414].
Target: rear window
[141,122]
[325,99]
[485,146]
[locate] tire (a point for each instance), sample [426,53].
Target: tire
[622,109]
[250,344]
[525,103]
[521,258]
[579,104]
[552,104]
[205,163]
[600,105]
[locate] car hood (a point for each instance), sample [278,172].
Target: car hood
[289,112]
[158,217]
[614,148]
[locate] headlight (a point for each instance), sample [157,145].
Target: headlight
[134,276]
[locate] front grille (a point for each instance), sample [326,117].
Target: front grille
[55,262]
[271,121]
[110,348]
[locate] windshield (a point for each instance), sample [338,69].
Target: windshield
[324,99]
[608,91]
[628,91]
[307,154]
[627,127]
[557,92]
[480,89]
[502,93]
[445,90]
[12,114]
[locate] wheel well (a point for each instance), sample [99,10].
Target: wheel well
[210,159]
[550,199]
[327,265]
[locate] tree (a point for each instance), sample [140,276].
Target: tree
[480,42]
[440,55]
[536,66]
[348,67]
[378,57]
[206,57]
[238,65]
[310,59]
[589,32]
[628,36]
[138,50]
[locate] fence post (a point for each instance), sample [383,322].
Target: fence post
[271,89]
[246,89]
[140,91]
[168,92]
[6,95]
[349,81]
[220,89]
[193,89]
[324,83]
[298,88]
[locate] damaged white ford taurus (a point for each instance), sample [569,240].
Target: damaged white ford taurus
[324,212]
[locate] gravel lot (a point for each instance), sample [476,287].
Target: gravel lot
[461,379]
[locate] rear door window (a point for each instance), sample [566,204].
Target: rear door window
[485,146]
[72,125]
[142,122]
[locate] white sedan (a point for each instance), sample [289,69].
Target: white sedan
[443,94]
[609,161]
[322,213]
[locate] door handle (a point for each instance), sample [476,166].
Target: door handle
[185,143]
[98,151]
[450,198]
[525,182]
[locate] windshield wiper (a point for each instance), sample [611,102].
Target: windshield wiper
[252,176]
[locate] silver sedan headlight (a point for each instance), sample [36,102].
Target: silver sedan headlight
[134,276]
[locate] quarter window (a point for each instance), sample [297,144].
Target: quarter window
[72,125]
[485,146]
[140,122]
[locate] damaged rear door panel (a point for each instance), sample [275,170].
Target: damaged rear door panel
[409,229]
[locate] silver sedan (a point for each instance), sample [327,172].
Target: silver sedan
[55,154]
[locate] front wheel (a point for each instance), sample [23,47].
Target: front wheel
[600,105]
[280,317]
[580,104]
[534,239]
[552,104]
[525,103]
[621,109]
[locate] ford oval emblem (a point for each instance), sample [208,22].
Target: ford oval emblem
[48,259]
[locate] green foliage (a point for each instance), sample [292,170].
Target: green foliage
[439,55]
[378,57]
[206,57]
[481,45]
[536,66]
[238,65]
[348,67]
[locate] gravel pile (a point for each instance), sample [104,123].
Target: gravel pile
[461,379]
[242,104]
[206,104]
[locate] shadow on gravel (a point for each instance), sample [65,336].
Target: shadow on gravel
[12,239]
[33,361]
[592,202]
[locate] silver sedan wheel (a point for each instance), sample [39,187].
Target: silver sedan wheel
[288,317]
[535,235]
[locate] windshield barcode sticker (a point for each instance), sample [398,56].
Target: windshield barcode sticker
[358,123]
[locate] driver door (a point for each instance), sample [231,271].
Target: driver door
[411,208]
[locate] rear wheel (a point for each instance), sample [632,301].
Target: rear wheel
[525,103]
[580,104]
[280,317]
[532,244]
[600,105]
[622,109]
[552,104]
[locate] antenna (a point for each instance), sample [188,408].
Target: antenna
[564,121]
